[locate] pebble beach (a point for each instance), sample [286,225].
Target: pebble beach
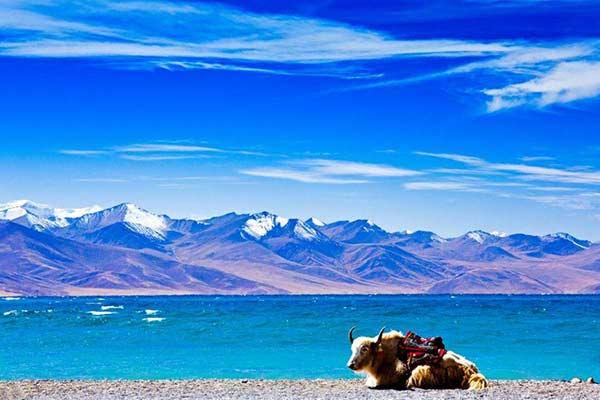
[280,389]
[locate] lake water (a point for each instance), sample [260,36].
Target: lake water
[288,336]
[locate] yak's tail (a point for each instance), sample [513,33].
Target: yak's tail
[477,382]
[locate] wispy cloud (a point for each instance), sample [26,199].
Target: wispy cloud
[133,157]
[346,73]
[330,171]
[581,201]
[211,36]
[169,31]
[523,171]
[554,73]
[470,160]
[338,167]
[444,186]
[519,181]
[166,147]
[566,82]
[75,152]
[536,158]
[299,176]
[101,180]
[162,151]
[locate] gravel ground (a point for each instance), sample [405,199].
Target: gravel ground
[281,389]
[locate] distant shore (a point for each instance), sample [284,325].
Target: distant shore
[279,389]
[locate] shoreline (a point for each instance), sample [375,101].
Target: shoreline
[302,389]
[186,294]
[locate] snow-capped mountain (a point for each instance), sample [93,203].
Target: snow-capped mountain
[584,244]
[315,223]
[134,217]
[359,231]
[297,229]
[419,238]
[40,216]
[477,236]
[46,250]
[261,224]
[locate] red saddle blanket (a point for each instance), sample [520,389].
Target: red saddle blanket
[416,350]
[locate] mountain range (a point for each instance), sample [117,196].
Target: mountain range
[127,250]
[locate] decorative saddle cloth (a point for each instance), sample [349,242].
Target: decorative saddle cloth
[416,350]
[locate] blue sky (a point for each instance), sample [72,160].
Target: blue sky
[417,115]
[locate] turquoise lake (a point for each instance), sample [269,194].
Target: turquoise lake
[273,337]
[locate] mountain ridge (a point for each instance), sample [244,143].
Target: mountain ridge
[128,250]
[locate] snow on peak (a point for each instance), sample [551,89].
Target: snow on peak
[478,236]
[258,225]
[561,235]
[304,231]
[136,215]
[314,221]
[584,244]
[499,234]
[366,225]
[140,220]
[17,203]
[41,216]
[424,236]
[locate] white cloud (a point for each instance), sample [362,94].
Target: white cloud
[101,180]
[132,157]
[567,82]
[462,171]
[536,158]
[445,186]
[330,171]
[337,167]
[189,31]
[530,59]
[160,151]
[540,76]
[166,148]
[581,201]
[470,160]
[76,152]
[198,35]
[553,188]
[523,171]
[299,176]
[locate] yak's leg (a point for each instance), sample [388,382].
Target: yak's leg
[463,373]
[477,382]
[421,377]
[371,382]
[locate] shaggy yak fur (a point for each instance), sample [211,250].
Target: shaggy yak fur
[377,358]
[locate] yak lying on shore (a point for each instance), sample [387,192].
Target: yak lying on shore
[377,357]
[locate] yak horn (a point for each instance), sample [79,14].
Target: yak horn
[380,336]
[350,334]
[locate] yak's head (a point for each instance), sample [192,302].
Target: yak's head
[364,350]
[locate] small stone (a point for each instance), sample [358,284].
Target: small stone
[590,380]
[576,380]
[244,380]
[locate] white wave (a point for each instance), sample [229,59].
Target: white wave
[99,313]
[11,312]
[151,312]
[104,308]
[154,319]
[11,298]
